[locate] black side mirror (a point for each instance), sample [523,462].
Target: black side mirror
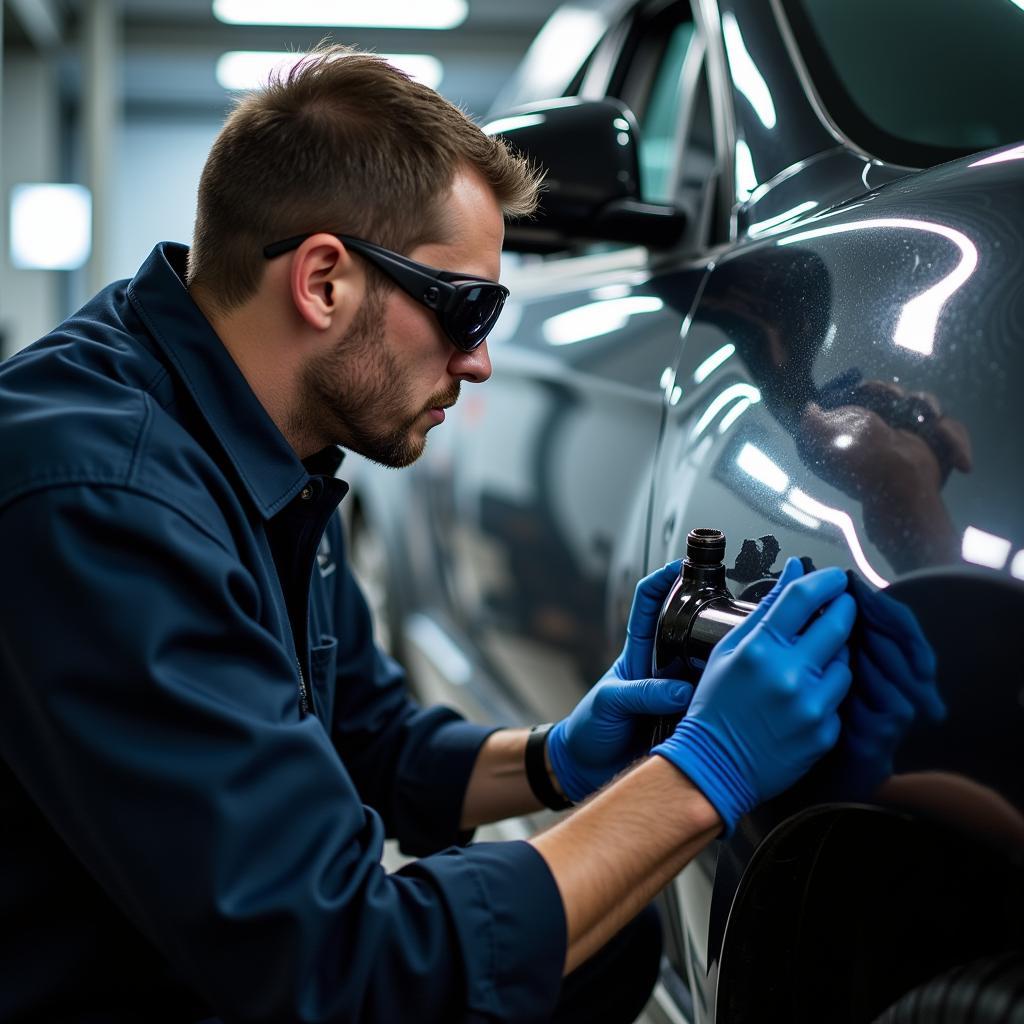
[592,186]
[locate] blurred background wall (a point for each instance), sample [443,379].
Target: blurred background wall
[122,98]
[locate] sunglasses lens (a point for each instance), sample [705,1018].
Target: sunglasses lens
[475,314]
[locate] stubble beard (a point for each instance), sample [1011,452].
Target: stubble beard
[356,396]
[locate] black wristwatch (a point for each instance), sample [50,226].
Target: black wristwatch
[537,770]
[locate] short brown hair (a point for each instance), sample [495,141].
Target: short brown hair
[341,142]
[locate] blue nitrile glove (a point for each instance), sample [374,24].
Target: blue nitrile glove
[605,732]
[767,706]
[894,669]
[890,645]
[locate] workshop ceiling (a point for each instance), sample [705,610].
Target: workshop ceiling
[171,47]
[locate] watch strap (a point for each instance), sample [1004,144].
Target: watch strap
[537,770]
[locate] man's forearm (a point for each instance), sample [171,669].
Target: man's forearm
[498,787]
[613,855]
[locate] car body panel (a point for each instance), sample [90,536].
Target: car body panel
[888,288]
[526,541]
[780,320]
[832,372]
[773,116]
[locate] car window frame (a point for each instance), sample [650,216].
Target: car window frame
[724,228]
[713,226]
[712,216]
[608,76]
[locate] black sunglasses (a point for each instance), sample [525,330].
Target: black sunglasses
[466,306]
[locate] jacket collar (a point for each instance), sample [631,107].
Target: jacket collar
[267,466]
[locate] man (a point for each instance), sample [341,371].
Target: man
[202,749]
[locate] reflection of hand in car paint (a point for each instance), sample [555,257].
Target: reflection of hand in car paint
[892,451]
[888,448]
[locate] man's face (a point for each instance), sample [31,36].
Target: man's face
[388,380]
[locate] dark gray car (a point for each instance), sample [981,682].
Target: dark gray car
[776,289]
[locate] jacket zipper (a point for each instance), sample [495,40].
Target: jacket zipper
[305,705]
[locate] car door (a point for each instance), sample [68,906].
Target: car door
[539,493]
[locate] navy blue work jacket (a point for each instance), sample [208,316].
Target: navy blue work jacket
[201,749]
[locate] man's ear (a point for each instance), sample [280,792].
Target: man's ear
[326,283]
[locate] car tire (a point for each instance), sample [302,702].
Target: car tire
[987,991]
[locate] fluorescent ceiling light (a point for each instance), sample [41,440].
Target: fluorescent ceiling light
[596,319]
[1016,153]
[511,124]
[754,462]
[344,13]
[712,363]
[733,393]
[809,506]
[746,176]
[1017,568]
[734,414]
[51,226]
[780,220]
[985,548]
[745,74]
[420,67]
[801,517]
[250,69]
[611,291]
[918,322]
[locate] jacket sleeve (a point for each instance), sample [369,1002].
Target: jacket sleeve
[153,720]
[411,764]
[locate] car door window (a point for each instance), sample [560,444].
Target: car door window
[661,76]
[657,70]
[659,126]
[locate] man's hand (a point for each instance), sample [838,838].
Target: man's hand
[605,732]
[767,706]
[894,670]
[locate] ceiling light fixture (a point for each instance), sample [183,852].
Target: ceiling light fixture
[596,319]
[50,226]
[986,549]
[239,70]
[432,14]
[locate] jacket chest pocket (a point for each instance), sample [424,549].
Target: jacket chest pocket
[323,660]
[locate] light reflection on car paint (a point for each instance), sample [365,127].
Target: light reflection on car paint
[597,318]
[918,321]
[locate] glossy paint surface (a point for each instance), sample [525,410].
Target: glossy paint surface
[528,523]
[834,374]
[864,411]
